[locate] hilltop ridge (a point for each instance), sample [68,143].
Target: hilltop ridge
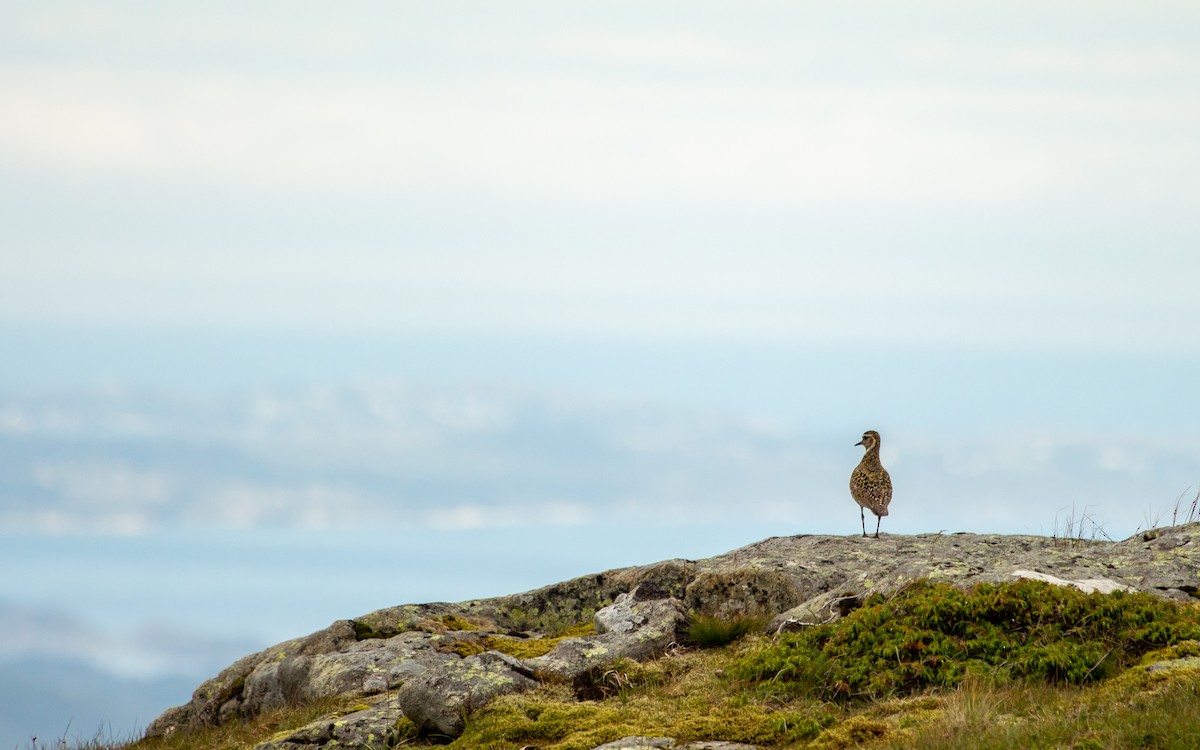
[443,661]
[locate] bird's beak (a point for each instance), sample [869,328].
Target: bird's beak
[859,443]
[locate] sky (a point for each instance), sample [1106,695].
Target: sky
[413,301]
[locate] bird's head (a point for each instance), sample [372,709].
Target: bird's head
[870,439]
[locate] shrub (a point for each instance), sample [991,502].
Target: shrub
[934,634]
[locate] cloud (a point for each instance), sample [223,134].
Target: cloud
[509,515]
[745,175]
[702,114]
[147,652]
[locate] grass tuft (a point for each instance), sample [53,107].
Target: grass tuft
[706,631]
[1076,527]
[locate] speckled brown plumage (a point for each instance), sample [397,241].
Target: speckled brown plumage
[870,485]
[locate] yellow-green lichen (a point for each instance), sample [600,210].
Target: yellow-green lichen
[529,648]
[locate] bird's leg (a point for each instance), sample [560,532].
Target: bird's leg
[862,515]
[877,520]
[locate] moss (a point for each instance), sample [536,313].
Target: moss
[365,631]
[407,731]
[352,709]
[516,721]
[464,648]
[455,622]
[529,648]
[852,732]
[1178,666]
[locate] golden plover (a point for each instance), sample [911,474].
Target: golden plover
[870,485]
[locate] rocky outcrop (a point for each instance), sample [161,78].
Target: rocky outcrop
[435,663]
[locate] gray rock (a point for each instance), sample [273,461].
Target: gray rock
[1087,585]
[439,701]
[368,729]
[361,667]
[639,743]
[631,628]
[666,743]
[1187,662]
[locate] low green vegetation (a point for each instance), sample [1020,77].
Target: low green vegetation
[935,635]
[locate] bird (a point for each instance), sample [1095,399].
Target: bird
[870,485]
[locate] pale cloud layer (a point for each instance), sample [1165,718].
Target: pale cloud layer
[394,455]
[154,651]
[1006,175]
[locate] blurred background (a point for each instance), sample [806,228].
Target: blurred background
[308,311]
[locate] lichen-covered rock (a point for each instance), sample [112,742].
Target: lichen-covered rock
[1187,662]
[730,593]
[439,701]
[639,743]
[360,667]
[369,728]
[635,626]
